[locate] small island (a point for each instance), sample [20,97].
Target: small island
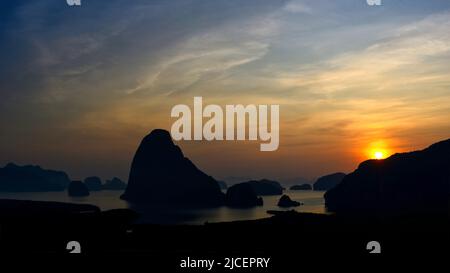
[286,202]
[302,187]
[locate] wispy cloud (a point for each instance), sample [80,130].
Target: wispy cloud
[297,6]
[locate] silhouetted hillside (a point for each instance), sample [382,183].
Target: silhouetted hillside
[29,178]
[160,174]
[415,182]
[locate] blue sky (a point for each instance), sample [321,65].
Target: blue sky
[80,86]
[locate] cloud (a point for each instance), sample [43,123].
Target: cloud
[297,7]
[203,57]
[386,65]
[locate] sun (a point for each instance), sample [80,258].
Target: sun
[378,149]
[378,155]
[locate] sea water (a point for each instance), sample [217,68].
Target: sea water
[106,200]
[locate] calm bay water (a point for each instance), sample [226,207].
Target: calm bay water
[106,200]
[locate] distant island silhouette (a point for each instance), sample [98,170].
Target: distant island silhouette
[242,195]
[265,187]
[114,184]
[302,187]
[285,201]
[327,182]
[93,183]
[77,189]
[31,178]
[14,178]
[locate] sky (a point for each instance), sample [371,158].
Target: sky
[81,86]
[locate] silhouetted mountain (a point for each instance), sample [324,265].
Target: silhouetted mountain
[114,184]
[77,188]
[242,195]
[327,182]
[93,183]
[29,178]
[160,174]
[285,202]
[222,185]
[303,187]
[416,182]
[265,187]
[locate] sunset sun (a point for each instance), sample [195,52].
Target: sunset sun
[378,149]
[378,155]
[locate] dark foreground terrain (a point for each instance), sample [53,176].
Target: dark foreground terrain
[288,238]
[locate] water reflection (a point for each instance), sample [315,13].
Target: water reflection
[106,200]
